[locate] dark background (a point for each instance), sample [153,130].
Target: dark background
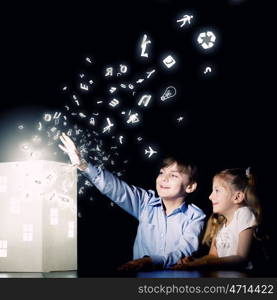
[229,115]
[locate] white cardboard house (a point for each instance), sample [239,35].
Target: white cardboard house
[38,217]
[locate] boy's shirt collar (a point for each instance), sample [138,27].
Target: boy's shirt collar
[158,201]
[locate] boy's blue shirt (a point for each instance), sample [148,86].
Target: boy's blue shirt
[166,238]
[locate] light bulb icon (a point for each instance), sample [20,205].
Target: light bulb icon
[168,93]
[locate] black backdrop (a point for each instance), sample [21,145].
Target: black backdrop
[229,117]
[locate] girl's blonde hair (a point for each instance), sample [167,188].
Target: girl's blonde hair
[241,180]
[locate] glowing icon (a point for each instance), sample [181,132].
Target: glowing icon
[180,119]
[144,100]
[121,139]
[123,85]
[88,60]
[56,115]
[150,152]
[143,46]
[47,117]
[133,118]
[25,147]
[185,19]
[112,89]
[82,115]
[206,39]
[208,69]
[91,82]
[169,93]
[131,86]
[82,75]
[109,72]
[149,74]
[84,86]
[99,102]
[67,107]
[139,139]
[20,127]
[140,80]
[92,121]
[169,61]
[64,88]
[108,127]
[39,126]
[78,131]
[35,154]
[114,102]
[123,68]
[36,139]
[77,102]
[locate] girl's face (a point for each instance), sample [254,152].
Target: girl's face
[222,197]
[170,183]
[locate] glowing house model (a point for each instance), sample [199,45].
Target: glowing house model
[38,217]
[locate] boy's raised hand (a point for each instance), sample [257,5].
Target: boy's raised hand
[70,148]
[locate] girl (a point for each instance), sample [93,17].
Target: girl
[230,229]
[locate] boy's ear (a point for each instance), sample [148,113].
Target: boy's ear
[239,197]
[191,187]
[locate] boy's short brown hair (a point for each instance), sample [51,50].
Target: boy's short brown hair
[184,166]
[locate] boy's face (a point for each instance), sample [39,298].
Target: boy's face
[171,184]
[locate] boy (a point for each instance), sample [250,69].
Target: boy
[169,228]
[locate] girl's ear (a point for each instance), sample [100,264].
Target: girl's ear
[239,197]
[191,187]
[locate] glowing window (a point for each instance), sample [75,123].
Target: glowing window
[54,216]
[27,232]
[15,206]
[3,248]
[3,184]
[70,233]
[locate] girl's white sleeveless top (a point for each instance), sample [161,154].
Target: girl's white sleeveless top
[227,238]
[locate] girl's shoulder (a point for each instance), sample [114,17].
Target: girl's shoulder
[244,211]
[244,218]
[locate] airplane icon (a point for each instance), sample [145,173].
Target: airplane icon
[150,151]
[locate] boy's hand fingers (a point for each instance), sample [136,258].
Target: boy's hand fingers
[63,148]
[62,140]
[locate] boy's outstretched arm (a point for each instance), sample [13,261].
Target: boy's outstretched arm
[130,198]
